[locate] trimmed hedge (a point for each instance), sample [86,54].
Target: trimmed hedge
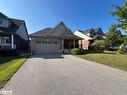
[75,51]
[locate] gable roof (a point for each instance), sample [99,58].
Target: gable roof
[15,24]
[97,29]
[87,31]
[3,16]
[60,30]
[44,32]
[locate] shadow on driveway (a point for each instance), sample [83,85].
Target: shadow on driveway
[49,56]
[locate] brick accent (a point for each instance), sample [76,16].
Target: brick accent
[85,44]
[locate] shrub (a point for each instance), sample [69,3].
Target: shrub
[98,45]
[75,51]
[122,49]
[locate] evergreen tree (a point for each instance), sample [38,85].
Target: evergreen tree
[121,15]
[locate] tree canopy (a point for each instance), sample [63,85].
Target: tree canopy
[113,36]
[121,16]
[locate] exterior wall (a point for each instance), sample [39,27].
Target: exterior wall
[85,44]
[5,23]
[21,44]
[22,32]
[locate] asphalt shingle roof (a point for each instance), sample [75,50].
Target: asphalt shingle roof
[57,31]
[16,23]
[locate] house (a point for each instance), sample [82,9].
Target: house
[89,36]
[13,34]
[54,40]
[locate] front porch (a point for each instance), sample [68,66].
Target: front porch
[68,44]
[7,41]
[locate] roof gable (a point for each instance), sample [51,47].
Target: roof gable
[3,16]
[59,30]
[14,26]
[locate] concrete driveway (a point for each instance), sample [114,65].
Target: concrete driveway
[66,75]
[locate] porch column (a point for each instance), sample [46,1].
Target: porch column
[12,41]
[74,43]
[62,45]
[81,44]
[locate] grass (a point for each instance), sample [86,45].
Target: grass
[8,67]
[111,59]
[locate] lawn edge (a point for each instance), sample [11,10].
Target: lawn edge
[11,76]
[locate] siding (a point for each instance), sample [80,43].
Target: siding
[5,23]
[22,32]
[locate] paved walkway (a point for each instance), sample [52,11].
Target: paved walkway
[66,75]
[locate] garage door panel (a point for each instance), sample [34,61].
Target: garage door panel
[46,48]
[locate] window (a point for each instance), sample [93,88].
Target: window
[6,40]
[1,21]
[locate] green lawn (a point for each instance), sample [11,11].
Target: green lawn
[110,59]
[8,66]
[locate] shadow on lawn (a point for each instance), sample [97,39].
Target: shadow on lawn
[5,59]
[98,52]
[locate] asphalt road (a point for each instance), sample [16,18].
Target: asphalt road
[66,75]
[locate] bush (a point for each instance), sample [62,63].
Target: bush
[75,51]
[98,45]
[9,52]
[122,49]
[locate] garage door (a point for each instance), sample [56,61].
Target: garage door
[47,48]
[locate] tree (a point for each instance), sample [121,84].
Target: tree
[98,45]
[113,36]
[121,15]
[122,49]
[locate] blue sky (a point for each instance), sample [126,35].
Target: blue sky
[76,14]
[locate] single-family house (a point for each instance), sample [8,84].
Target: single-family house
[89,36]
[54,40]
[13,34]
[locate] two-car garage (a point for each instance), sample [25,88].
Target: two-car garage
[46,48]
[45,45]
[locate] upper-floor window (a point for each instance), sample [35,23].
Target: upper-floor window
[1,21]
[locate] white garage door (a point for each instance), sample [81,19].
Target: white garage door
[47,48]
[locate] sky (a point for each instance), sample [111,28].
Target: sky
[76,14]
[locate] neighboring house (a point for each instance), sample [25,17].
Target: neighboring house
[53,40]
[13,34]
[89,36]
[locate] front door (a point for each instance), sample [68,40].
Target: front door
[68,44]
